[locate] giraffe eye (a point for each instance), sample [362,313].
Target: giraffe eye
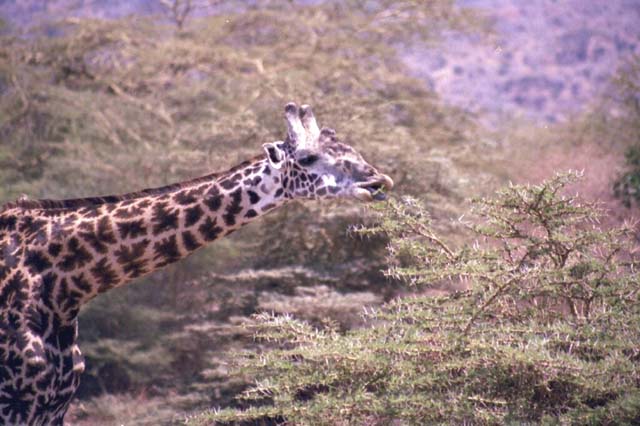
[308,160]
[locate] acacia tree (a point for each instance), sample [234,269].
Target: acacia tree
[544,329]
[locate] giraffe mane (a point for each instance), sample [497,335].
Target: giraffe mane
[73,203]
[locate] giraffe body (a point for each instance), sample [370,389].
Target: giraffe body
[55,256]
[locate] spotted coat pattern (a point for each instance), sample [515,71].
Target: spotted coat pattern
[55,256]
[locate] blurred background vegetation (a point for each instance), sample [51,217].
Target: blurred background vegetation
[93,106]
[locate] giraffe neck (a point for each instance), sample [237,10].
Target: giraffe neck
[92,249]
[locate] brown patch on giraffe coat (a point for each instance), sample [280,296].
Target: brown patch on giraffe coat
[131,229]
[192,215]
[128,212]
[185,197]
[253,197]
[77,256]
[234,207]
[36,261]
[164,218]
[37,320]
[213,199]
[90,212]
[209,229]
[33,230]
[255,181]
[80,282]
[68,300]
[47,287]
[231,182]
[8,223]
[54,249]
[189,241]
[167,250]
[143,204]
[100,237]
[15,289]
[104,274]
[131,258]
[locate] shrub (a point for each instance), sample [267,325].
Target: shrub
[627,186]
[627,94]
[544,329]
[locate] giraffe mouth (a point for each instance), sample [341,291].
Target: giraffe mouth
[373,190]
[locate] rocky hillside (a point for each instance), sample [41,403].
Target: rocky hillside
[545,60]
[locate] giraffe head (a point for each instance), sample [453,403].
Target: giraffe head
[315,164]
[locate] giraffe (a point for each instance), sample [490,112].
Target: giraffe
[57,255]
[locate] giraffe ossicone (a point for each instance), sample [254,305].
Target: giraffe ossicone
[303,131]
[57,255]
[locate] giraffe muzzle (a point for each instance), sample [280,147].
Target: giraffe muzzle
[374,189]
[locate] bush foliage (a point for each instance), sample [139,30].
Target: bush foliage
[544,330]
[627,84]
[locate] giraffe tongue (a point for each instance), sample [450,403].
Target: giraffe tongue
[370,192]
[376,192]
[379,196]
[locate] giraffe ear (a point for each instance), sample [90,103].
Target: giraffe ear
[275,154]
